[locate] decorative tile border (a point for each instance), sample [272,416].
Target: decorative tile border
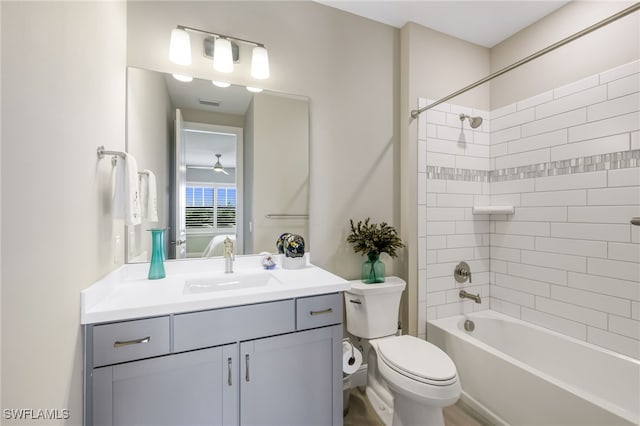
[594,163]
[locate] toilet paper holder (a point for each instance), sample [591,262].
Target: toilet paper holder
[352,359]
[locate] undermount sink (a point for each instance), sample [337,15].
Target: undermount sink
[232,281]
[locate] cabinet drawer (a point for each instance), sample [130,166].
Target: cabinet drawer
[129,340]
[318,311]
[219,326]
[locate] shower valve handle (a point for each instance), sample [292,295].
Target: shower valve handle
[462,272]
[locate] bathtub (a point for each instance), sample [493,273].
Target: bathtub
[516,373]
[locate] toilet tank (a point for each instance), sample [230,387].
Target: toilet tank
[372,309]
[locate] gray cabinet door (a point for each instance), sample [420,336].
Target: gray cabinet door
[290,380]
[191,388]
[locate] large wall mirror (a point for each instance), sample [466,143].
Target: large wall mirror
[228,163]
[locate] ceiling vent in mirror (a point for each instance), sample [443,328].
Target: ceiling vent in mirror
[209,103]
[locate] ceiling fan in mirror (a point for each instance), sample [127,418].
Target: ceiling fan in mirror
[218,166]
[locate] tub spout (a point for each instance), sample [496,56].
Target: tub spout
[474,297]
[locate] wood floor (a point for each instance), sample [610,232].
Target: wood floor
[361,414]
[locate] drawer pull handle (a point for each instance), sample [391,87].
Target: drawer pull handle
[355,301]
[119,344]
[229,369]
[326,311]
[246,361]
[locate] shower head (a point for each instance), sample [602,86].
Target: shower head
[474,122]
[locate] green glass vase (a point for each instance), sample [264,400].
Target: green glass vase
[373,269]
[156,268]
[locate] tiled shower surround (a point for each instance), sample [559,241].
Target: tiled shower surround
[567,259]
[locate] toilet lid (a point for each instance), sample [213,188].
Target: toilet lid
[417,358]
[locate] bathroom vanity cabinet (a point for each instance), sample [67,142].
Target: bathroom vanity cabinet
[272,363]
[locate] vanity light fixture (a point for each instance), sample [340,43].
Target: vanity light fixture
[220,83]
[182,77]
[254,89]
[223,48]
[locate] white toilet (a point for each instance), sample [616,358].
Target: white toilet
[409,380]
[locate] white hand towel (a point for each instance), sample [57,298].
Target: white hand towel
[126,194]
[148,196]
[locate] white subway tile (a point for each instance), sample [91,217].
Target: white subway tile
[603,285]
[514,119]
[576,86]
[572,246]
[435,117]
[482,253]
[624,86]
[441,270]
[436,298]
[572,102]
[523,228]
[624,252]
[452,309]
[512,241]
[535,100]
[436,185]
[513,186]
[455,134]
[544,140]
[445,147]
[482,138]
[572,312]
[422,127]
[587,299]
[432,257]
[432,131]
[440,284]
[538,288]
[576,197]
[422,156]
[444,214]
[422,253]
[505,110]
[618,106]
[506,254]
[591,231]
[615,342]
[572,181]
[554,260]
[549,275]
[621,71]
[460,109]
[505,200]
[540,214]
[635,310]
[506,135]
[615,269]
[422,188]
[603,214]
[624,177]
[472,227]
[614,196]
[635,140]
[477,150]
[422,286]
[454,255]
[479,265]
[473,163]
[504,307]
[635,234]
[455,200]
[462,187]
[605,145]
[625,326]
[422,221]
[498,150]
[513,296]
[436,241]
[441,160]
[570,328]
[498,266]
[468,240]
[555,122]
[523,159]
[606,127]
[441,228]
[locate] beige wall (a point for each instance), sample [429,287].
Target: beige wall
[349,68]
[608,47]
[63,94]
[433,66]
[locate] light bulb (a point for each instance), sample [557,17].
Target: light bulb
[254,89]
[222,55]
[180,47]
[182,77]
[220,83]
[260,63]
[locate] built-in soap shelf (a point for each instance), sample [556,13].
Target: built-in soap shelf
[493,209]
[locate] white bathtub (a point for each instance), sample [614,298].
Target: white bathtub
[516,373]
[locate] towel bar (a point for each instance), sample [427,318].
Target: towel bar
[102,152]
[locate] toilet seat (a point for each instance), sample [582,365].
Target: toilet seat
[418,360]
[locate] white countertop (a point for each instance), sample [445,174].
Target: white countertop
[126,293]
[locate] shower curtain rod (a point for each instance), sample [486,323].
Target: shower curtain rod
[416,112]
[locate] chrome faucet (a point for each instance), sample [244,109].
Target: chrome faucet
[228,256]
[474,297]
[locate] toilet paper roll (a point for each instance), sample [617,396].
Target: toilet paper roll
[350,366]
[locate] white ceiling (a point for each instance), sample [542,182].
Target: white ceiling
[485,23]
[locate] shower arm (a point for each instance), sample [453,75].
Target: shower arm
[636,6]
